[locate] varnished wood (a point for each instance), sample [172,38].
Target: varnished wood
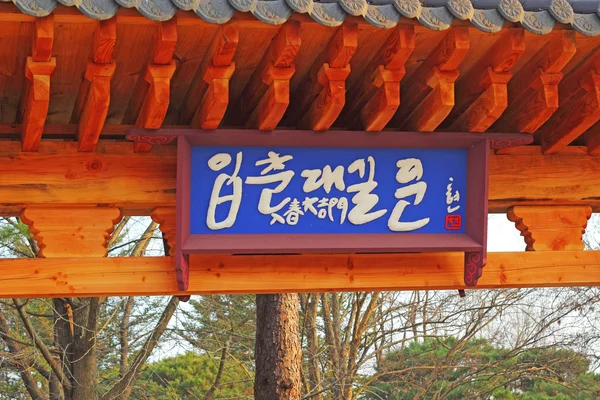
[43,38]
[36,101]
[165,41]
[208,96]
[140,276]
[551,227]
[321,98]
[71,232]
[105,38]
[429,94]
[533,93]
[267,95]
[481,96]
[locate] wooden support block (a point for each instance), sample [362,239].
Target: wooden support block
[76,231]
[577,113]
[43,39]
[428,96]
[208,96]
[165,41]
[533,92]
[165,217]
[374,100]
[593,144]
[96,103]
[482,95]
[322,96]
[105,38]
[267,94]
[36,101]
[550,228]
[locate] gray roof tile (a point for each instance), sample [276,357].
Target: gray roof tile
[537,16]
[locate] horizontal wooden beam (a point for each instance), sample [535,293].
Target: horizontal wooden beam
[61,277]
[138,183]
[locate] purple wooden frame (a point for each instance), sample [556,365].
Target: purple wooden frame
[472,242]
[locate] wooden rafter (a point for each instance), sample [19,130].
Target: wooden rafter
[579,106]
[208,96]
[533,92]
[376,99]
[321,98]
[483,96]
[429,94]
[93,100]
[267,95]
[151,96]
[38,69]
[139,276]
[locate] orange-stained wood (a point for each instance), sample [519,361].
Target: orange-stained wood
[533,93]
[43,39]
[321,98]
[267,95]
[140,276]
[71,232]
[105,38]
[36,101]
[208,96]
[376,98]
[140,182]
[165,217]
[577,113]
[481,96]
[151,96]
[551,228]
[429,94]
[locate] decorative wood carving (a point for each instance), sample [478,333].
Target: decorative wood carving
[165,218]
[78,231]
[483,96]
[550,228]
[38,69]
[155,89]
[533,92]
[429,94]
[208,97]
[93,100]
[267,94]
[376,99]
[322,96]
[578,111]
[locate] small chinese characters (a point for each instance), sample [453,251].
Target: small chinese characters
[453,220]
[356,203]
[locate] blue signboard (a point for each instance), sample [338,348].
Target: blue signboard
[318,190]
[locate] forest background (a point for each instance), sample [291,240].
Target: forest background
[492,344]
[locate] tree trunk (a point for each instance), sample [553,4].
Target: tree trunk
[278,354]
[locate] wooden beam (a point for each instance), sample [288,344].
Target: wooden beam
[38,69]
[113,175]
[429,94]
[141,276]
[267,95]
[482,95]
[208,96]
[322,96]
[373,101]
[93,100]
[151,96]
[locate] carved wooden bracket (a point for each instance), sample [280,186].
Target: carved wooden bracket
[165,218]
[430,91]
[93,100]
[208,97]
[577,113]
[534,90]
[483,97]
[71,232]
[321,98]
[267,95]
[551,228]
[38,69]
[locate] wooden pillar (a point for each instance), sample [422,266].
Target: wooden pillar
[551,228]
[81,231]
